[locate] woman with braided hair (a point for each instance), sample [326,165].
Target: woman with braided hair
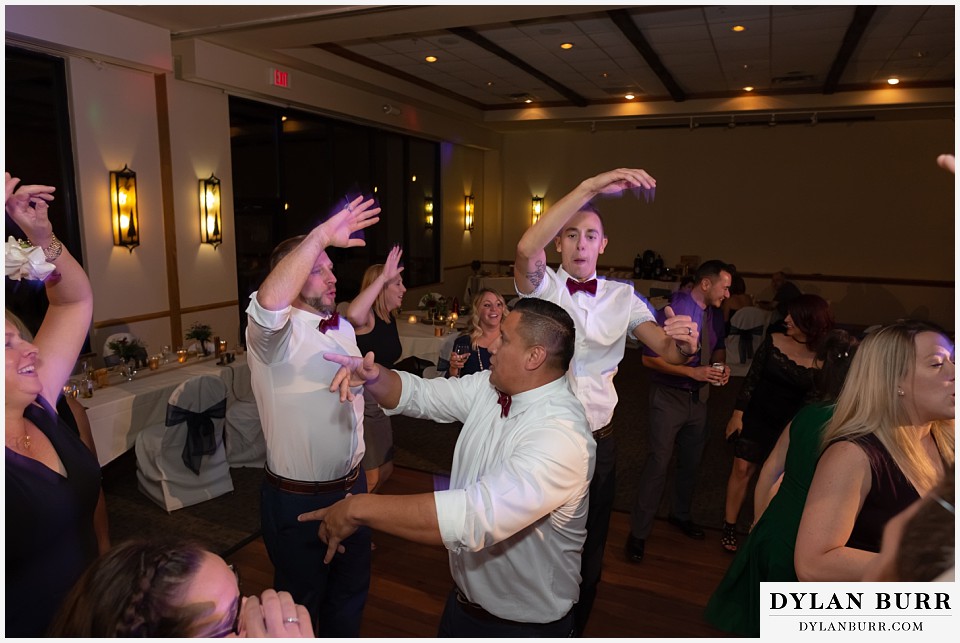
[172,589]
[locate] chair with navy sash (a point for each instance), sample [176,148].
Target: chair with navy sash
[185,462]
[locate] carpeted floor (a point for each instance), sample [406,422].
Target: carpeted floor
[226,523]
[223,524]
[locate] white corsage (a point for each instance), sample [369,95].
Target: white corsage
[26,261]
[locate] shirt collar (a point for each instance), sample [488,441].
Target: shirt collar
[522,401]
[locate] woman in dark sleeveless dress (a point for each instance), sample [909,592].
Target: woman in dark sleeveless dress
[52,478]
[776,387]
[889,441]
[372,316]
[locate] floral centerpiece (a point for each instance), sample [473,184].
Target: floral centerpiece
[202,333]
[129,349]
[434,303]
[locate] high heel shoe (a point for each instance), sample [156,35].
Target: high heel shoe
[728,539]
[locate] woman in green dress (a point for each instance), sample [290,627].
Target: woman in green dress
[782,486]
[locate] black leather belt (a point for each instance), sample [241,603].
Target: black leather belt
[477,611]
[311,488]
[599,434]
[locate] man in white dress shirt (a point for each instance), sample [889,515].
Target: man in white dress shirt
[314,443]
[604,313]
[513,518]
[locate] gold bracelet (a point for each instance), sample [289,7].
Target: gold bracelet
[53,249]
[50,252]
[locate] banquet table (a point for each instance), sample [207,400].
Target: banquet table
[419,339]
[120,411]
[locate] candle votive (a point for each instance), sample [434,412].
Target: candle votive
[154,362]
[223,346]
[181,355]
[454,316]
[412,319]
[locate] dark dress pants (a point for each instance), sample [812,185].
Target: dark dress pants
[334,594]
[677,418]
[456,622]
[603,487]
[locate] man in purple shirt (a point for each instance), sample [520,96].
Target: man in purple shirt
[678,407]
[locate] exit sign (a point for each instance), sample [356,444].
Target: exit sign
[279,78]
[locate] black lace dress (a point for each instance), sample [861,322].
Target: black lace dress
[774,390]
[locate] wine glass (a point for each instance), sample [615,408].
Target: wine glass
[462,350]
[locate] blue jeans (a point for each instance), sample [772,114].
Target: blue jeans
[334,594]
[456,622]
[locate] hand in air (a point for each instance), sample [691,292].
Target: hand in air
[356,215]
[616,181]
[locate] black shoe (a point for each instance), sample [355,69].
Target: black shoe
[635,548]
[688,527]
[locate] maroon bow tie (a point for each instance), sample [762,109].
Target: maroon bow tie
[331,322]
[504,401]
[589,286]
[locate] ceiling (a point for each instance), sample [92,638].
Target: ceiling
[503,61]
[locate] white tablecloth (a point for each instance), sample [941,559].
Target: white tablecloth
[122,410]
[419,340]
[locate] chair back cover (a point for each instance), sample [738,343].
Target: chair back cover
[185,462]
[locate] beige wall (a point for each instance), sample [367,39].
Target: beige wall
[857,200]
[864,199]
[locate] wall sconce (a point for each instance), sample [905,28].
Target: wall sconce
[211,224]
[428,213]
[536,208]
[468,212]
[123,207]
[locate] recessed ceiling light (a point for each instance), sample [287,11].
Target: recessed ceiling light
[893,81]
[738,28]
[604,75]
[489,83]
[748,88]
[566,45]
[431,59]
[629,96]
[283,118]
[528,100]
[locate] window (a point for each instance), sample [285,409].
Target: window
[291,169]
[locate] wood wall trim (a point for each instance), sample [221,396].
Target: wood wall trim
[884,281]
[167,201]
[120,321]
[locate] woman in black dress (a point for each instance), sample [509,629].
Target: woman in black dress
[775,388]
[372,314]
[52,478]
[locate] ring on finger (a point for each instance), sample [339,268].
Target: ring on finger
[291,619]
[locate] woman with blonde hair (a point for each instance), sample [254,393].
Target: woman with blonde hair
[889,441]
[372,315]
[52,478]
[471,352]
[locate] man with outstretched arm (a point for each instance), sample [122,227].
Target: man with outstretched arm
[604,312]
[513,518]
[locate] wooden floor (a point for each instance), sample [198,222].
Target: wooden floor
[663,596]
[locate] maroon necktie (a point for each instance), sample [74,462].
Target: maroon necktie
[589,286]
[331,322]
[504,401]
